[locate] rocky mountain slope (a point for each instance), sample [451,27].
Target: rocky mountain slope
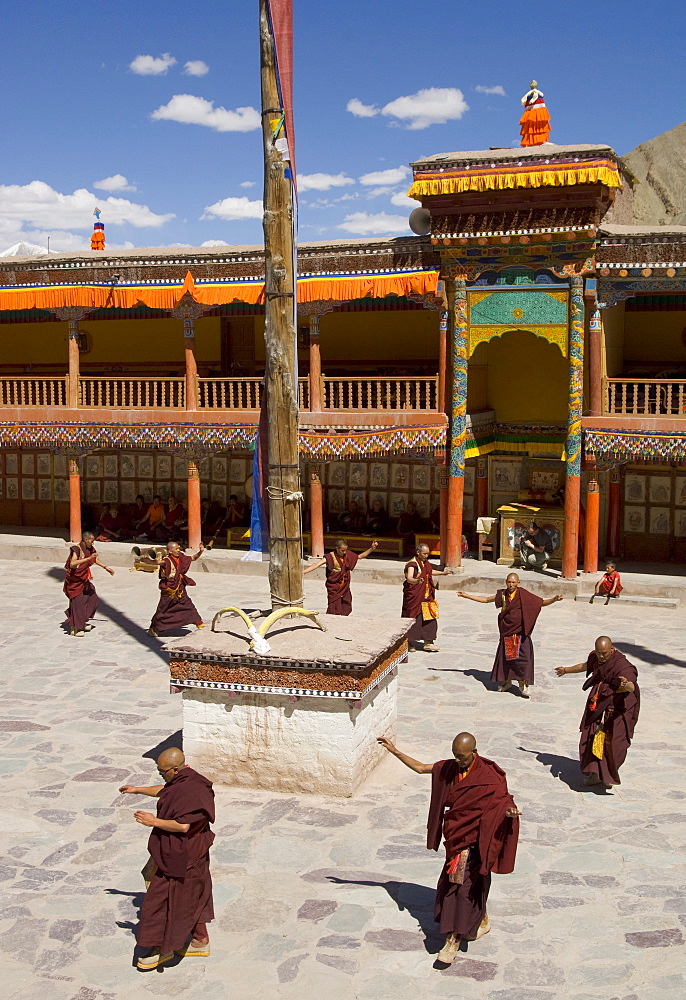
[660,167]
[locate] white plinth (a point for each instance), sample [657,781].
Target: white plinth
[324,746]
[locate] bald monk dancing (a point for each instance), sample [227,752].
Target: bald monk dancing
[175,608]
[78,584]
[612,707]
[339,565]
[518,610]
[472,808]
[419,599]
[178,902]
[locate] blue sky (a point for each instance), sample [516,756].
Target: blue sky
[178,162]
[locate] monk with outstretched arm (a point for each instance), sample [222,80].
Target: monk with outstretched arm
[339,565]
[178,902]
[473,810]
[78,584]
[175,608]
[518,610]
[611,713]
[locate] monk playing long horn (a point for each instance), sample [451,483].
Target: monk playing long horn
[472,808]
[612,707]
[518,610]
[178,902]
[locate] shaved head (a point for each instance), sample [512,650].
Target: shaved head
[603,648]
[512,581]
[464,749]
[170,762]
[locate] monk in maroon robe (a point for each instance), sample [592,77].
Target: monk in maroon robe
[419,599]
[78,584]
[472,808]
[175,608]
[178,901]
[518,610]
[339,565]
[612,707]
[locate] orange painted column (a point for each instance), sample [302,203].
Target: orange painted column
[194,515]
[592,527]
[458,427]
[570,549]
[191,366]
[613,513]
[481,487]
[74,500]
[315,369]
[316,515]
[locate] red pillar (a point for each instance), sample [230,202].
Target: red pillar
[613,514]
[592,527]
[453,547]
[74,365]
[194,516]
[74,500]
[595,373]
[481,487]
[316,515]
[191,365]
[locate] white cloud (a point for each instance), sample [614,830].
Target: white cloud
[500,91]
[322,182]
[247,184]
[433,106]
[190,110]
[117,182]
[232,209]
[394,175]
[61,241]
[37,204]
[214,243]
[360,110]
[196,67]
[402,201]
[380,224]
[152,65]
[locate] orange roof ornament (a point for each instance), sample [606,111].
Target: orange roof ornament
[535,122]
[98,237]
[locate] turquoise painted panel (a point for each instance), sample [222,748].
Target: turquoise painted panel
[537,308]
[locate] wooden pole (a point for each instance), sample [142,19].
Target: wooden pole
[315,366]
[74,500]
[592,527]
[570,550]
[285,537]
[189,310]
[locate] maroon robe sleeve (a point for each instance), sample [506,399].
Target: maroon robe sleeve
[189,798]
[531,608]
[498,833]
[442,775]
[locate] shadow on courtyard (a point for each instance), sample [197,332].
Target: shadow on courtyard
[656,659]
[137,632]
[566,769]
[418,900]
[174,740]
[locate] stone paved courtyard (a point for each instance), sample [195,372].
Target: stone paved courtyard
[321,897]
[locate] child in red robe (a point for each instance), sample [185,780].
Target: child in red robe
[609,585]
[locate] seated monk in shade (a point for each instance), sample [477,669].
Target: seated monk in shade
[172,519]
[113,525]
[178,902]
[339,565]
[152,522]
[175,608]
[518,610]
[352,519]
[235,512]
[377,522]
[612,707]
[473,810]
[78,584]
[419,599]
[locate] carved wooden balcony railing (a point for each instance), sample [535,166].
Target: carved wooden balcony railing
[416,393]
[123,393]
[240,393]
[33,391]
[640,397]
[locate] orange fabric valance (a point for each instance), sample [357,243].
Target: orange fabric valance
[330,287]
